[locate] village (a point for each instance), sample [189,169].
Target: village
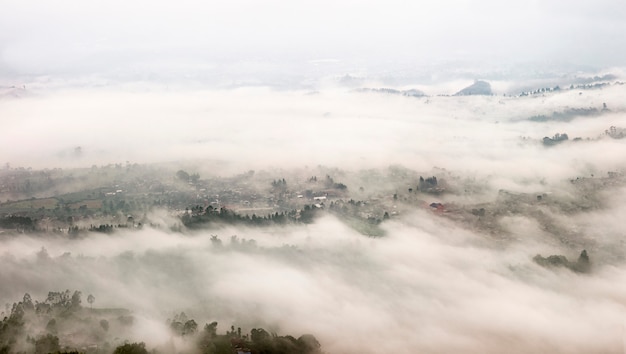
[111,197]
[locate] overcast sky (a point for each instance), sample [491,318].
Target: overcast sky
[70,37]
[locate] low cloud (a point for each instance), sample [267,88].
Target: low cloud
[434,283]
[428,286]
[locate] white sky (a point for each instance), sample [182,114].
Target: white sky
[83,37]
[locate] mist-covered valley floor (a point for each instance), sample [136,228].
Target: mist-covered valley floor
[451,266]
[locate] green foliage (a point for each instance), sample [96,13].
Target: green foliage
[183,176]
[131,348]
[279,184]
[557,138]
[104,324]
[17,222]
[258,335]
[47,344]
[199,217]
[330,183]
[52,326]
[582,265]
[566,115]
[61,312]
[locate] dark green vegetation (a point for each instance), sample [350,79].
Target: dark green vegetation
[60,324]
[556,139]
[568,114]
[257,341]
[582,265]
[613,132]
[581,84]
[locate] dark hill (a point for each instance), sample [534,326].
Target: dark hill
[477,88]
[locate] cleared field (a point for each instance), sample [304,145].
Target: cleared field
[46,203]
[91,204]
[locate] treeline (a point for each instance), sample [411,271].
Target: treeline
[556,139]
[21,223]
[51,325]
[582,264]
[568,114]
[198,216]
[586,84]
[60,324]
[257,341]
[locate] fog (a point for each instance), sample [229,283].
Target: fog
[429,286]
[284,90]
[256,128]
[432,284]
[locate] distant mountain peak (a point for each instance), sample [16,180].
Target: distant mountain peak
[477,88]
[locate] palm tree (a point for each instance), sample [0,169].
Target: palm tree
[90,300]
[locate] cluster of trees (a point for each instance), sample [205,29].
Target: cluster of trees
[182,326]
[52,326]
[556,139]
[131,348]
[21,223]
[109,228]
[588,83]
[540,90]
[198,216]
[59,308]
[429,185]
[582,264]
[330,183]
[187,178]
[615,132]
[258,341]
[279,183]
[568,114]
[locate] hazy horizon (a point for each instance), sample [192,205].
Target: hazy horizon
[285,45]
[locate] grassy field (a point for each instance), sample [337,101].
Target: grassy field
[46,203]
[91,204]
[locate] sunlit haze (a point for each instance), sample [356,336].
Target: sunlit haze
[349,177]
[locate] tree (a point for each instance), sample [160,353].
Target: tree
[211,329]
[131,348]
[104,324]
[309,344]
[90,300]
[190,327]
[47,344]
[27,302]
[258,335]
[52,326]
[76,299]
[183,176]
